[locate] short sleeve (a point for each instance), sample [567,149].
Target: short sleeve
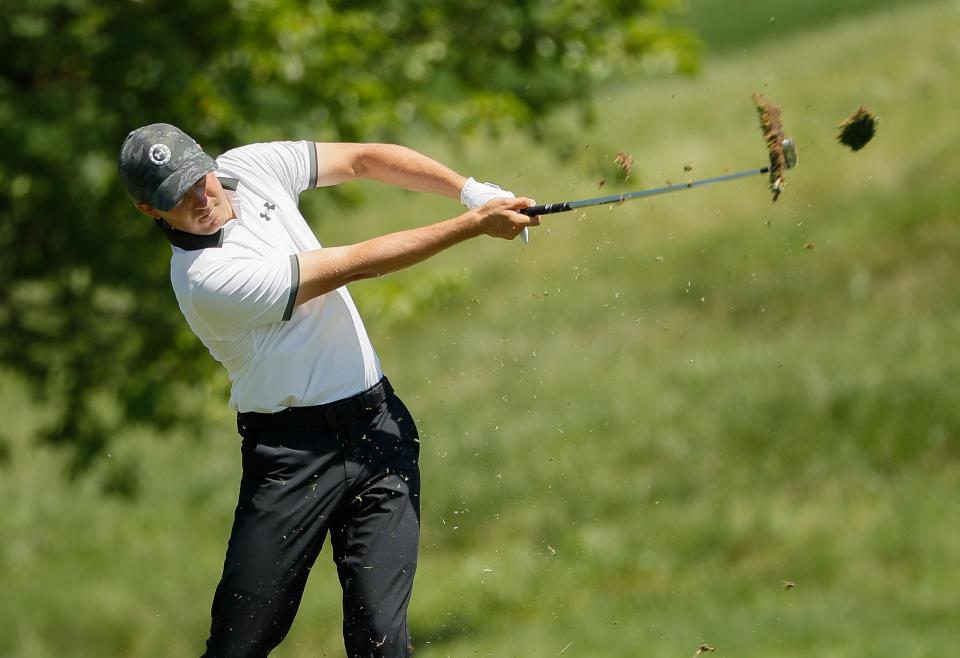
[292,164]
[239,294]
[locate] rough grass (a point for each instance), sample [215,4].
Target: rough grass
[736,26]
[638,427]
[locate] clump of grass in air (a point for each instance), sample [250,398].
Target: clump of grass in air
[773,134]
[858,129]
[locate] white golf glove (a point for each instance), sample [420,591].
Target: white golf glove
[474,194]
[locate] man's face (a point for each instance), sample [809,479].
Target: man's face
[202,210]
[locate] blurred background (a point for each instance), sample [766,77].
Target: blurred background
[696,419]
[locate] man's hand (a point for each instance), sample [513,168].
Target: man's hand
[475,194]
[499,218]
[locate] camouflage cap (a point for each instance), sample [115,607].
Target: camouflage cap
[159,163]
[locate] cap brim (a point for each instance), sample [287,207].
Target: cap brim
[170,191]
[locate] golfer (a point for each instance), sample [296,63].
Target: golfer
[327,445]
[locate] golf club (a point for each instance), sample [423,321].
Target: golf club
[790,157]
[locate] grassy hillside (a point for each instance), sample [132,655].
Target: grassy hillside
[735,26]
[635,429]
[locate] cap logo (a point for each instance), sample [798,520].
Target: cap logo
[159,154]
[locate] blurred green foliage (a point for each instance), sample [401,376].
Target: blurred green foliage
[85,311]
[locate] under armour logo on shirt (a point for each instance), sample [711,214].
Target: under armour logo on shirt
[267,207]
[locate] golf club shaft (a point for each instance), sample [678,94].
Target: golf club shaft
[564,206]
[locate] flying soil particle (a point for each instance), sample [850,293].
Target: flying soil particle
[773,134]
[858,129]
[624,164]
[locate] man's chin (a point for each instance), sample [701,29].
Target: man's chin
[209,228]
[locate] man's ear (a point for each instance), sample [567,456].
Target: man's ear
[147,209]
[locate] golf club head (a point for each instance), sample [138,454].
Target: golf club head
[790,152]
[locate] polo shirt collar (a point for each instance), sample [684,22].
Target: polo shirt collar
[192,241]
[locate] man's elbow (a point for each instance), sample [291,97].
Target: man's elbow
[357,164]
[364,275]
[363,160]
[341,162]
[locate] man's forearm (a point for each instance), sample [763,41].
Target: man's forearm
[323,270]
[399,165]
[386,163]
[327,269]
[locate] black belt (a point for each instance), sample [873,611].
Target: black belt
[328,416]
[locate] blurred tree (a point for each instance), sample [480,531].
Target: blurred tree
[86,314]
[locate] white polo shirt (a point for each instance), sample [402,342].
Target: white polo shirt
[236,288]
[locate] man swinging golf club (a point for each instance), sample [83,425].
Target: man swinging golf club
[327,445]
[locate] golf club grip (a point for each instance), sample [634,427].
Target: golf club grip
[546,209]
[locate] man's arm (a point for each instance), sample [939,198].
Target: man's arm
[323,270]
[386,163]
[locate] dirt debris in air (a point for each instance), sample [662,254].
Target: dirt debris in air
[858,129]
[769,115]
[624,163]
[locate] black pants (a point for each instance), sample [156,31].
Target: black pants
[348,470]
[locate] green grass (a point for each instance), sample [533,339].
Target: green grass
[735,26]
[638,427]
